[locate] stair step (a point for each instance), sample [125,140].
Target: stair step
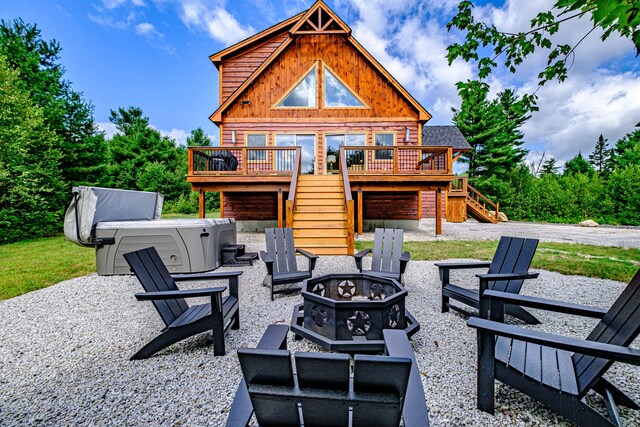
[302,178]
[319,189]
[304,184]
[306,224]
[320,195]
[320,208]
[321,216]
[328,251]
[308,201]
[321,241]
[312,232]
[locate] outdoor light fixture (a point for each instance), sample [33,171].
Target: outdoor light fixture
[407,133]
[245,101]
[233,136]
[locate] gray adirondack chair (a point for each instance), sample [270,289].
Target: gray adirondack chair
[182,320]
[555,370]
[507,272]
[324,392]
[388,260]
[281,263]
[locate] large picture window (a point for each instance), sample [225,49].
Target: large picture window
[333,142]
[303,94]
[336,94]
[256,140]
[384,140]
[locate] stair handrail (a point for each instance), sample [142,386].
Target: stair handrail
[478,197]
[348,200]
[293,187]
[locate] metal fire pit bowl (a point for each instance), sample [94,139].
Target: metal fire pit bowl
[347,312]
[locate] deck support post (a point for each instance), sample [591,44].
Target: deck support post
[360,211]
[221,205]
[279,207]
[438,211]
[201,205]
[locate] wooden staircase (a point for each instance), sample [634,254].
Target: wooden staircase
[320,216]
[463,199]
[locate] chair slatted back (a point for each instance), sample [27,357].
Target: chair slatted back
[281,248]
[327,372]
[270,368]
[154,277]
[620,326]
[513,255]
[380,374]
[387,250]
[322,388]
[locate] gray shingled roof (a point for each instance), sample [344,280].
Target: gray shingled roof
[444,136]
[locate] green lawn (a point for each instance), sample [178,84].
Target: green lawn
[35,264]
[583,260]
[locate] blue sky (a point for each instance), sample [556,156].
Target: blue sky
[154,54]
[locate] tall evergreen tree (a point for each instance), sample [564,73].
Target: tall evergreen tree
[198,138]
[627,150]
[31,186]
[549,167]
[492,129]
[65,112]
[600,159]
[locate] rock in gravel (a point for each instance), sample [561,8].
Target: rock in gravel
[588,223]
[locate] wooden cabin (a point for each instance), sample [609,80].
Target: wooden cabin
[316,135]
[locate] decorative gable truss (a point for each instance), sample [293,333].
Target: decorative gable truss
[319,19]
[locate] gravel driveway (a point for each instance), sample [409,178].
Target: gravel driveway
[65,352]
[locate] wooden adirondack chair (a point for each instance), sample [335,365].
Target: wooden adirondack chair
[181,320]
[388,259]
[323,390]
[280,259]
[558,371]
[507,272]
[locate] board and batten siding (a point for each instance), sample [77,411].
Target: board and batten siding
[381,98]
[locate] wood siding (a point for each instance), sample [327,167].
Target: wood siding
[236,70]
[390,205]
[349,64]
[429,204]
[251,206]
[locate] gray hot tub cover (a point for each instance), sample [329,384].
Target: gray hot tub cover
[92,205]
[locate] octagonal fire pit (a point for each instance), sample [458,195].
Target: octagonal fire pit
[347,312]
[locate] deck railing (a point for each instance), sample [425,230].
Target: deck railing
[293,188]
[398,160]
[241,160]
[348,202]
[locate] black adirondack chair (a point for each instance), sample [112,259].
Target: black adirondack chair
[507,272]
[181,320]
[322,390]
[555,370]
[280,259]
[388,259]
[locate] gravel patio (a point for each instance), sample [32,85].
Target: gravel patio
[65,349]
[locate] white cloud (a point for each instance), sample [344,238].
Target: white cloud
[146,29]
[113,4]
[214,20]
[178,135]
[108,128]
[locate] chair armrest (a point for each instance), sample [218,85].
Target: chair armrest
[462,265]
[187,293]
[507,276]
[206,276]
[358,258]
[545,304]
[404,260]
[586,347]
[266,258]
[311,257]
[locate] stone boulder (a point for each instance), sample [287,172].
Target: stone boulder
[502,217]
[588,223]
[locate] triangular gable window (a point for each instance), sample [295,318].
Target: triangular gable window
[303,94]
[336,94]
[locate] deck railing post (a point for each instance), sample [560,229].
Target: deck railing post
[396,153]
[245,162]
[449,160]
[190,166]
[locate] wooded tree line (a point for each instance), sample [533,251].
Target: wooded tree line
[603,186]
[49,142]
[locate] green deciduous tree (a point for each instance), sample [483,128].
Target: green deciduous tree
[64,110]
[614,16]
[577,165]
[626,151]
[31,185]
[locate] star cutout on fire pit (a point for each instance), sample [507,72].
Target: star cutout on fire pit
[393,318]
[376,291]
[319,315]
[346,289]
[359,323]
[318,289]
